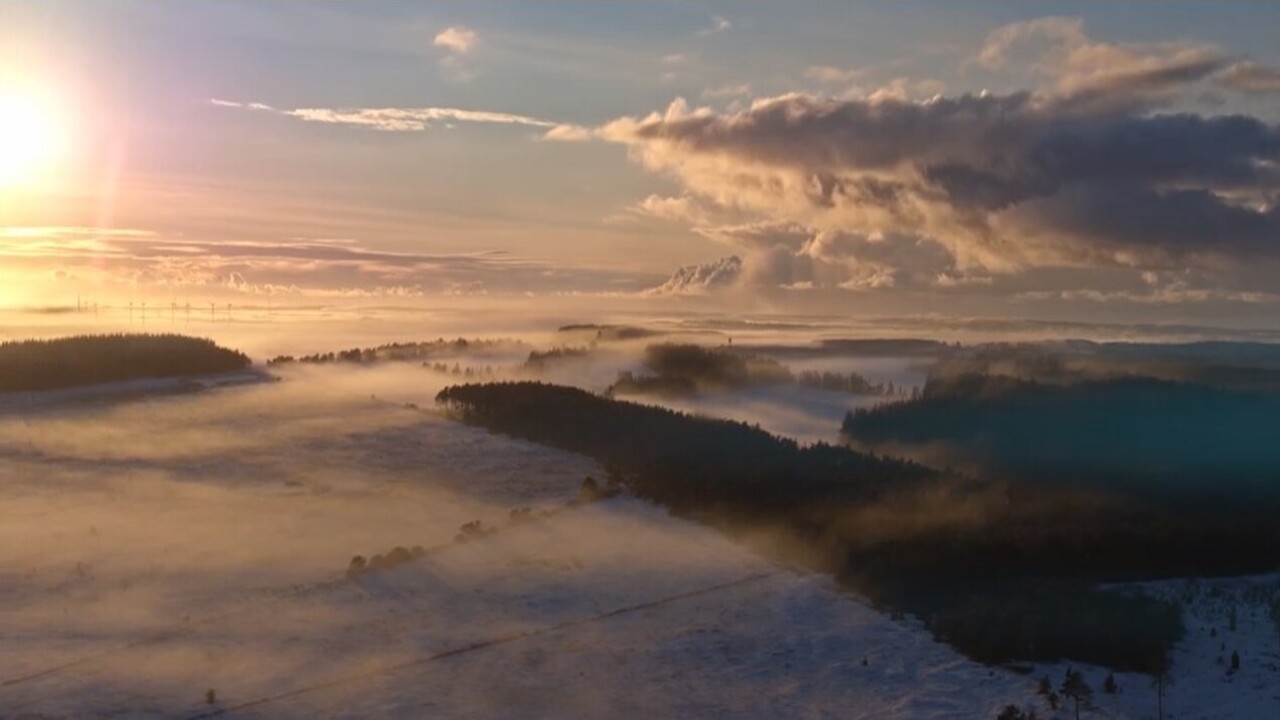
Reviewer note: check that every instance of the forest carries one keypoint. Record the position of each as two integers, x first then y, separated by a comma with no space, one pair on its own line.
30,365
851,347
1171,439
1001,570
407,352
679,370
1229,366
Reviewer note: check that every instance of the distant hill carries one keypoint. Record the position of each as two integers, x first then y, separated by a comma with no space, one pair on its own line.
30,365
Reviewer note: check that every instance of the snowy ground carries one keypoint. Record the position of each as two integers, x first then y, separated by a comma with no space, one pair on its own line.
156,549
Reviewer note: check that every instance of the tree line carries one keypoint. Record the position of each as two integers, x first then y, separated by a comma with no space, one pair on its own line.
30,365
675,370
1001,571
1172,439
406,351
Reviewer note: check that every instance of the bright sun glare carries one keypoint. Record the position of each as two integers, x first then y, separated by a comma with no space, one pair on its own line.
30,137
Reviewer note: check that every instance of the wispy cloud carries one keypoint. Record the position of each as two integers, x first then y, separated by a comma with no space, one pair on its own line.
233,104
410,119
1084,71
1249,76
395,119
138,258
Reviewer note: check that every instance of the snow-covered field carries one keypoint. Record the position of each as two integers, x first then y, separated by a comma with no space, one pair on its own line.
157,549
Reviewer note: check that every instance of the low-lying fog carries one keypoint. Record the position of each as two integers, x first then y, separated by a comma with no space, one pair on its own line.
154,550
263,331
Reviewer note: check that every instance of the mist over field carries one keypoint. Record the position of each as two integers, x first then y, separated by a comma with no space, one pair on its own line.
639,360
161,539
156,547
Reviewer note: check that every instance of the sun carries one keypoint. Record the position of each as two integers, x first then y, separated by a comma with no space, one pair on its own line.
30,137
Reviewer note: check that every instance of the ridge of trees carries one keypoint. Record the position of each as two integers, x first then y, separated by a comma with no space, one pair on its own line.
673,458
1003,572
678,369
610,333
75,361
539,360
407,351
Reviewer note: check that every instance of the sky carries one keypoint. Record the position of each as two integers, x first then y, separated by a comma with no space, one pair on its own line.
1083,161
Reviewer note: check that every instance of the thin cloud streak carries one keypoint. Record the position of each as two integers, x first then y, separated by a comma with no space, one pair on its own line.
395,119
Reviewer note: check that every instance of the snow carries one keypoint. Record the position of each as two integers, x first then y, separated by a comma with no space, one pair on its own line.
156,549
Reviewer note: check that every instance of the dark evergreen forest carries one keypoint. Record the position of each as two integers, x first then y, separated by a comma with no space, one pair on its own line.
1003,570
90,359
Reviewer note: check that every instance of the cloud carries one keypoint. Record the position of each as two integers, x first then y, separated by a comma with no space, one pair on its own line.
1176,293
307,267
790,255
410,119
569,133
1128,76
703,278
458,42
1030,40
397,119
233,104
1002,181
718,24
683,208
1248,76
1090,170
902,88
456,39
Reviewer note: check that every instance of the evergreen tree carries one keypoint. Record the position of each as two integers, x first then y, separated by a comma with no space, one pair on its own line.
1074,687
